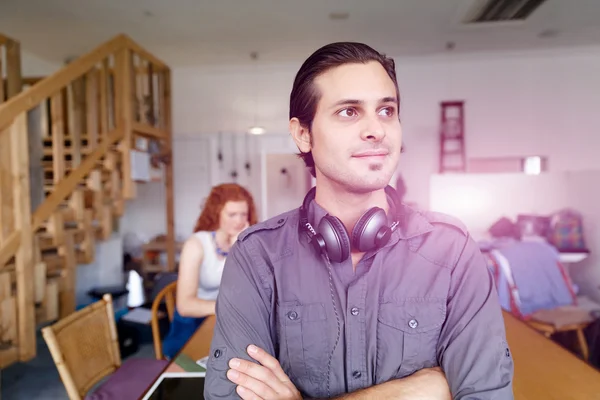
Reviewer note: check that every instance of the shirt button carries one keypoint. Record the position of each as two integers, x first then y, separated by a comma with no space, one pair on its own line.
217,353
354,311
293,315
413,323
280,221
356,374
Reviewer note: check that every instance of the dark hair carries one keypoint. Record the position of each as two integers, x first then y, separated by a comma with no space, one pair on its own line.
305,97
219,195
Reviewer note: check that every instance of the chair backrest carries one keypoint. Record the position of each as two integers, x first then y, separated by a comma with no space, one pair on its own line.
168,293
85,346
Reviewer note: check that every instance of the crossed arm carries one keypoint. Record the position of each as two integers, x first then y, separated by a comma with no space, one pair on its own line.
266,381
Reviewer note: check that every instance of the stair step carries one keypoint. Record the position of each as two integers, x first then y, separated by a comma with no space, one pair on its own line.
49,165
54,263
47,151
46,239
49,188
67,142
9,267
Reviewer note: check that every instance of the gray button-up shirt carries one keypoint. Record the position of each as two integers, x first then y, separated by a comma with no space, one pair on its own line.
425,299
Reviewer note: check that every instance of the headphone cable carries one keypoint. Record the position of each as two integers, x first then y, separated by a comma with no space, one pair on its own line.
337,318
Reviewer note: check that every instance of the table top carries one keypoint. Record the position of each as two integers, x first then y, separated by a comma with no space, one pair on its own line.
543,369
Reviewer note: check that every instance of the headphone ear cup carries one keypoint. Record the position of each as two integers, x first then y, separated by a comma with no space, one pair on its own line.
370,230
336,239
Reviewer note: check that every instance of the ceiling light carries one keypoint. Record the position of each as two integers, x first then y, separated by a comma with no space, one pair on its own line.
256,130
338,16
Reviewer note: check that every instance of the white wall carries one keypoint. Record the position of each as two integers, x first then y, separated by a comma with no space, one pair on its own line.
517,104
32,65
284,191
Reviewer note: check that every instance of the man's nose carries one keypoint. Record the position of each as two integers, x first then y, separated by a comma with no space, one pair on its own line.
373,129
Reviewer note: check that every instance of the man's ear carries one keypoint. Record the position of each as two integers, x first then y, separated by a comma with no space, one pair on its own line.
301,135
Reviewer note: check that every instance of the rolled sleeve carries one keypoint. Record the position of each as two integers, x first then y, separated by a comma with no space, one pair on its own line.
243,312
472,349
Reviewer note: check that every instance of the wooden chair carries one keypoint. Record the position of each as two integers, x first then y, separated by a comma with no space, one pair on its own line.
85,349
548,330
563,319
168,293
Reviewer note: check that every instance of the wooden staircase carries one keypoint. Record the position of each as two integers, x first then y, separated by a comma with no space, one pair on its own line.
65,173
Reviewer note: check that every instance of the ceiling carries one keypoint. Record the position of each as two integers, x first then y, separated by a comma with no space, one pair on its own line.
192,32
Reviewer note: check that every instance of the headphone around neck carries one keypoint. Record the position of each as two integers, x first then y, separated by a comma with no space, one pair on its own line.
370,232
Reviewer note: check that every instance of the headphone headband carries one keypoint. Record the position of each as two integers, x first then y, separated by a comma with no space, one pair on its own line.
371,230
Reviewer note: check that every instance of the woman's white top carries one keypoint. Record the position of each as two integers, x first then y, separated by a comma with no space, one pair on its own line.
211,269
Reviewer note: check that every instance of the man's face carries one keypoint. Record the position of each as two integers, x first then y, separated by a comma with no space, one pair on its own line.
356,133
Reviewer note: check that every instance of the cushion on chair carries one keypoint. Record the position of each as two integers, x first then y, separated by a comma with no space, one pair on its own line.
130,381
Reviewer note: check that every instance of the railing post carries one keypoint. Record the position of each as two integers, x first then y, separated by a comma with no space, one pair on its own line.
24,256
124,113
169,172
14,78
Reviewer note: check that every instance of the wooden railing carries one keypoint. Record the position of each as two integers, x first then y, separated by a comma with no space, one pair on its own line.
65,172
10,60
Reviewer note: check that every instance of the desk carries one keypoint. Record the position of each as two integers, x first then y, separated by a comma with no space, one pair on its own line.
543,369
546,371
199,344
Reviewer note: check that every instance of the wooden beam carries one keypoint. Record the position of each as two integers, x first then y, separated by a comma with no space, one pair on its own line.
88,245
56,227
124,112
158,63
24,255
28,99
160,114
58,136
170,203
32,80
91,107
103,98
149,131
6,193
151,109
2,94
14,84
77,117
67,284
10,247
68,184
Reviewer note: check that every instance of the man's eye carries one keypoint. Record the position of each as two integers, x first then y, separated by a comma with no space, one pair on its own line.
387,112
347,112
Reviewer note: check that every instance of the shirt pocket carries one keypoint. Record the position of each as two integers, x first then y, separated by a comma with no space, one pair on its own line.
305,342
407,335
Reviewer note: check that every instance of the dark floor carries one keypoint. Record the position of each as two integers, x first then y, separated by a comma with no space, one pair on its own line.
38,378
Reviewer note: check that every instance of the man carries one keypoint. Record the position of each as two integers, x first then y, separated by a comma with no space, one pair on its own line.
402,308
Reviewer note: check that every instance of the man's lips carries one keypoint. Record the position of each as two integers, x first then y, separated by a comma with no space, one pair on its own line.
371,153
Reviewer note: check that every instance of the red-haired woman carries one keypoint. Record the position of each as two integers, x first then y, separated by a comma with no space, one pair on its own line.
228,210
